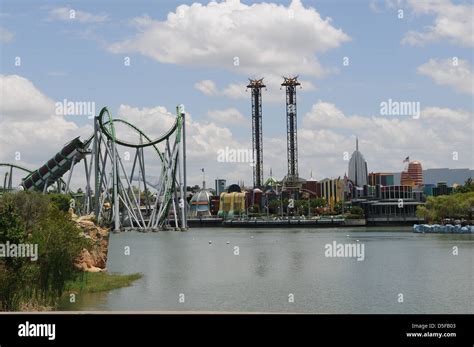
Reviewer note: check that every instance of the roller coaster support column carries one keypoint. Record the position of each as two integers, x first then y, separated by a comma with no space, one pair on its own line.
182,162
88,187
5,187
10,178
116,205
74,159
95,154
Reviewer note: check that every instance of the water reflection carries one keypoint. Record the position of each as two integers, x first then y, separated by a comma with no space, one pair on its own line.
261,263
272,264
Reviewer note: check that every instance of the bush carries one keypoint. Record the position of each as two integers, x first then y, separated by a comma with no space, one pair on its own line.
61,201
30,206
28,217
357,211
59,244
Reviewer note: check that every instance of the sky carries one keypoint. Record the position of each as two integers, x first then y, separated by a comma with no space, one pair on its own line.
143,58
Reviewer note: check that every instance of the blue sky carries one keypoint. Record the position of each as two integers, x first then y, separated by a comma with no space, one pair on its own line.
74,60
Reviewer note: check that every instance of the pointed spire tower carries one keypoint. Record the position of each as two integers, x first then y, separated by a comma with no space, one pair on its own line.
358,167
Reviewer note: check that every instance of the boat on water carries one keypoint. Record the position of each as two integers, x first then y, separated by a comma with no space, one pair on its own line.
443,229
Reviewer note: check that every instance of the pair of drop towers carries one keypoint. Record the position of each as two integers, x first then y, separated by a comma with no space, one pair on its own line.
290,84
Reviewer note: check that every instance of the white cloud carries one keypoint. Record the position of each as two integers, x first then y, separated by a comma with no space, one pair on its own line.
452,22
232,90
385,141
207,87
235,91
374,6
69,14
6,36
21,100
28,124
203,141
262,38
445,72
272,93
446,115
153,120
230,116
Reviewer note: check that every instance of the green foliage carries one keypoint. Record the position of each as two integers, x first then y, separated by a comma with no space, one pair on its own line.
319,202
144,195
457,206
466,188
30,206
301,206
11,226
93,282
61,201
59,244
338,207
357,211
12,231
274,203
28,217
10,290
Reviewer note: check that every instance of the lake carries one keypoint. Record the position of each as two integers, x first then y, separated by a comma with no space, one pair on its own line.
264,270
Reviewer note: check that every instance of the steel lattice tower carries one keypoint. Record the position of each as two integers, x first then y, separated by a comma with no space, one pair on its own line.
291,127
257,142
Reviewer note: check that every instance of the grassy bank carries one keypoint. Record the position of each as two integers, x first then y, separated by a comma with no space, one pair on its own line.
94,282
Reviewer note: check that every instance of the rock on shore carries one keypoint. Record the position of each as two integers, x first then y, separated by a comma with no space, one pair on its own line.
94,260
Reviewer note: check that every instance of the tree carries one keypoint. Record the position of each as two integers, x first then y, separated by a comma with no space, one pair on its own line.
457,206
11,231
59,244
466,188
34,218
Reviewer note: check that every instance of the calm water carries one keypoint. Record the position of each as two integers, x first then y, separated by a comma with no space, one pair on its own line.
274,263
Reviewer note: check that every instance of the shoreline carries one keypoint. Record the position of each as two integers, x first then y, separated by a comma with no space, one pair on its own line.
297,223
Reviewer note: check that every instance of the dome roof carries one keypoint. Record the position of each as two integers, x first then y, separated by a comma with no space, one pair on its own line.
201,196
271,181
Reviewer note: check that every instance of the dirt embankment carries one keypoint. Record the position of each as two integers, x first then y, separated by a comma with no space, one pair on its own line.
94,260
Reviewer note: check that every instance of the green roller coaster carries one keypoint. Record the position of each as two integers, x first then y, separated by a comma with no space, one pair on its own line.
114,199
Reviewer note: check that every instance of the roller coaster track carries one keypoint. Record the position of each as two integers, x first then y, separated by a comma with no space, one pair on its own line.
169,158
17,167
110,133
22,168
106,134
